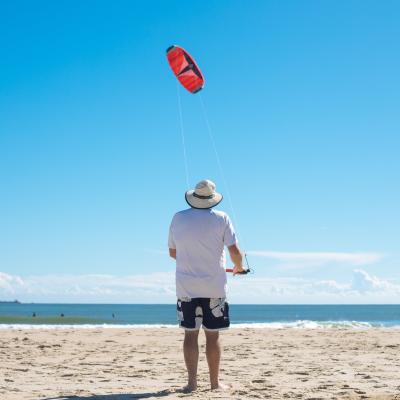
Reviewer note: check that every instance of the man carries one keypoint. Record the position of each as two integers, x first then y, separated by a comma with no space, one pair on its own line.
197,237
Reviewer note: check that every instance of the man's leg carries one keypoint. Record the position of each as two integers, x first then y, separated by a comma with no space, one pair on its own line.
191,354
213,353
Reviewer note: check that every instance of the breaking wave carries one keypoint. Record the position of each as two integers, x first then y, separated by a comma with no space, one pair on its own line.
300,324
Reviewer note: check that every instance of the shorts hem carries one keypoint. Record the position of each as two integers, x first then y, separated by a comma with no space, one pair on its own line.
189,329
216,329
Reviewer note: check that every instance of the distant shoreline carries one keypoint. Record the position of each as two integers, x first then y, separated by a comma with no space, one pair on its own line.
10,301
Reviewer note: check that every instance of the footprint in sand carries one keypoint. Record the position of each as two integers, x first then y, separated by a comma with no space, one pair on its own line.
299,373
325,386
267,373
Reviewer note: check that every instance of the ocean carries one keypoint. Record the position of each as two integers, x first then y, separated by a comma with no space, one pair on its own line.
39,315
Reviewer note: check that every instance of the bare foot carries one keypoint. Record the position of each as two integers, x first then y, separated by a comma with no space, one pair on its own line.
189,389
221,387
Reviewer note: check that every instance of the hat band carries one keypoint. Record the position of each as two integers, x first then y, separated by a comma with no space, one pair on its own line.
203,197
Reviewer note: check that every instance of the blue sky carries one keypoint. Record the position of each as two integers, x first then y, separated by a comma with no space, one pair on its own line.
303,100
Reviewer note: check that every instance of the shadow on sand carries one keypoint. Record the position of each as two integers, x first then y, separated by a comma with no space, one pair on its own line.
161,393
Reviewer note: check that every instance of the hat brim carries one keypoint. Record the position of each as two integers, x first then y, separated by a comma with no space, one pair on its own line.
196,202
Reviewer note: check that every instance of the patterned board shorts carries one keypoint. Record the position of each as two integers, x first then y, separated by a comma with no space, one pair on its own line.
213,314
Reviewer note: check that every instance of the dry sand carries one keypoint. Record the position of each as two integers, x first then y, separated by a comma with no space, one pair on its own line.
124,364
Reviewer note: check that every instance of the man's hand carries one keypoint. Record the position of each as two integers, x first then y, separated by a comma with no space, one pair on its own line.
172,253
238,269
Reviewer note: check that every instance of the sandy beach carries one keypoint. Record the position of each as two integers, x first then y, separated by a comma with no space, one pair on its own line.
141,363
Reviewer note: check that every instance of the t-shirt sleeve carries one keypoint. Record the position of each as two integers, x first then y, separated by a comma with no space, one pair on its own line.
229,234
171,241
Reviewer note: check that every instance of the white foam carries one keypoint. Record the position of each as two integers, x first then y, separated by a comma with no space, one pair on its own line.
300,324
306,324
84,326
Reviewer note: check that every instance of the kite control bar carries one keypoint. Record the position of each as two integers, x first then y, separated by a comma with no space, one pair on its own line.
245,271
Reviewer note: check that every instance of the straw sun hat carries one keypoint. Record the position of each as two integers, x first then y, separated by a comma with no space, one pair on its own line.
204,195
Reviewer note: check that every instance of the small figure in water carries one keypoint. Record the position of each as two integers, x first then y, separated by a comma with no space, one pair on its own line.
113,315
34,314
61,315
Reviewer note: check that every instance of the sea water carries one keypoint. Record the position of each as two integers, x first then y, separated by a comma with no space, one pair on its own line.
39,315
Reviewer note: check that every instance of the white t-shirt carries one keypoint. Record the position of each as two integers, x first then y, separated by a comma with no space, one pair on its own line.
199,237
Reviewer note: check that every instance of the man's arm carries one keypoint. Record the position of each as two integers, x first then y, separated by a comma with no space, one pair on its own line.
236,257
172,253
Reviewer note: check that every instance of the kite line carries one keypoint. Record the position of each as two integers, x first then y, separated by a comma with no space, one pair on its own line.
190,77
221,170
183,136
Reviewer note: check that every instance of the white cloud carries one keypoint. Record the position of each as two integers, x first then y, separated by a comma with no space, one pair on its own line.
144,288
319,258
9,283
329,286
160,288
363,283
363,287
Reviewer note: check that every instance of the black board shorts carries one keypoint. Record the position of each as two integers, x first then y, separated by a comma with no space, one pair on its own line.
212,313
